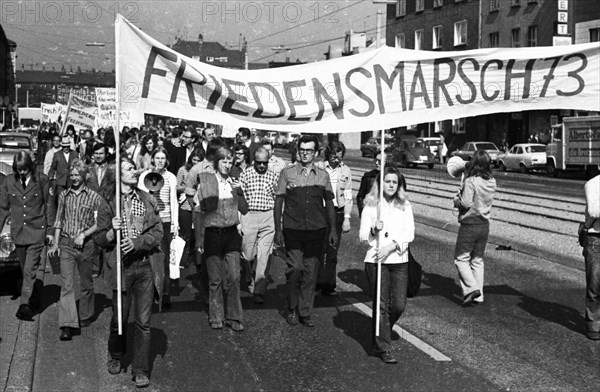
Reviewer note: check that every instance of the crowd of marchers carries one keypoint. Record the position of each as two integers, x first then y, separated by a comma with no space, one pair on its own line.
233,202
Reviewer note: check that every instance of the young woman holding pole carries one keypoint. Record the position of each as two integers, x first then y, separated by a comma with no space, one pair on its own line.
395,228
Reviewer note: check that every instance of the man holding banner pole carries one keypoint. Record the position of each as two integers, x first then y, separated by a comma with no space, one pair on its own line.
140,230
307,217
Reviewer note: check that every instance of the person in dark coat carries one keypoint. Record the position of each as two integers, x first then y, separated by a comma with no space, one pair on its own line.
25,197
366,182
61,163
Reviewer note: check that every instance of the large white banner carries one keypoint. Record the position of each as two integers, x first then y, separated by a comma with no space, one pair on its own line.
383,88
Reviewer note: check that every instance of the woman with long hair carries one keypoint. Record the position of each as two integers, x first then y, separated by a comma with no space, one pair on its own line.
390,249
185,208
474,203
147,146
168,210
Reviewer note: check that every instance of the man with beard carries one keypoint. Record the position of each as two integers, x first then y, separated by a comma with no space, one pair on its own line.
142,269
73,230
258,184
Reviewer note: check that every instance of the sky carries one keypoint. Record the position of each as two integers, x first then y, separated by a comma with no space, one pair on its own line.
51,33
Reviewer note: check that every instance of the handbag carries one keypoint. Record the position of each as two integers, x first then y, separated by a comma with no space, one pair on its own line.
176,251
415,274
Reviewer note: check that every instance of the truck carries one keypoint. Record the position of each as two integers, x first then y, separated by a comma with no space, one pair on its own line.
30,118
575,145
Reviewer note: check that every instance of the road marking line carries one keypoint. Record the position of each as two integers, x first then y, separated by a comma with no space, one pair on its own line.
410,338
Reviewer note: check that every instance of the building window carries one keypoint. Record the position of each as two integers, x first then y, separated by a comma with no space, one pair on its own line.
437,37
419,5
494,40
532,36
400,40
515,38
494,5
460,33
438,3
418,39
595,35
515,3
401,8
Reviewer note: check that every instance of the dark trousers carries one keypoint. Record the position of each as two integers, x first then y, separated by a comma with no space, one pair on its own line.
591,252
394,281
327,277
187,233
222,255
83,259
165,246
303,249
33,275
139,293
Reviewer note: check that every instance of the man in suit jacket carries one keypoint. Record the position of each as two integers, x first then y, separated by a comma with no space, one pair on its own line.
101,178
25,198
61,163
175,150
244,137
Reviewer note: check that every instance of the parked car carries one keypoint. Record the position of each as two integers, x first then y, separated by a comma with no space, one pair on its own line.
8,252
468,149
413,152
282,140
272,136
433,143
372,147
524,157
13,142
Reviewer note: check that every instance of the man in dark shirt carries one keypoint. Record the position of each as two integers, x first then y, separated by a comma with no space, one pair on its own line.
303,187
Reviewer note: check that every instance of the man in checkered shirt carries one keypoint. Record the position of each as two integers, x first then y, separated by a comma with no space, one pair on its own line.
258,225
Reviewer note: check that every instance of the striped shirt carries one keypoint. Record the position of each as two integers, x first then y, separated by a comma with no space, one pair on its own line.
76,212
259,189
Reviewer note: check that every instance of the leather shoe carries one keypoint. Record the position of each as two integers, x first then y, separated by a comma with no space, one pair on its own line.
387,357
259,299
66,334
593,335
329,292
166,301
114,366
216,324
24,313
235,325
141,381
307,322
471,296
85,323
292,318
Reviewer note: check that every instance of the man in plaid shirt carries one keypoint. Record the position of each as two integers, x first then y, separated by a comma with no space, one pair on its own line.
258,225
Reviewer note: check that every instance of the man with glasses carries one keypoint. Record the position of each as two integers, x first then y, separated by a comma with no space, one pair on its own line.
366,183
307,217
258,226
341,183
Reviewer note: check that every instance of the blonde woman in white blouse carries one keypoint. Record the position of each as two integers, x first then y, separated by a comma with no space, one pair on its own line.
168,209
397,227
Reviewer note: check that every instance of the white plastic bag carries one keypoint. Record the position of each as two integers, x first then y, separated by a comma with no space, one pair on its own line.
177,245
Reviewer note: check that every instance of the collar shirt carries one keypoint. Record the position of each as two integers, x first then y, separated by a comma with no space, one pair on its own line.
100,171
398,225
226,214
67,155
306,189
76,211
341,182
133,212
276,165
259,189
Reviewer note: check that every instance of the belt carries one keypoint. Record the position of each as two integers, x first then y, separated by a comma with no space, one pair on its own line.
222,230
270,209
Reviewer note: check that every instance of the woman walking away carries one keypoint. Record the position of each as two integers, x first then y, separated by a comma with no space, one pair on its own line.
474,203
397,226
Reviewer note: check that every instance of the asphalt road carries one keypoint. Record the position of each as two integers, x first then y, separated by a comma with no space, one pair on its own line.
527,336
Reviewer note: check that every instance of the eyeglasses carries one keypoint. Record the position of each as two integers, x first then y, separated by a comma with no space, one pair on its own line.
261,163
186,136
306,151
239,153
